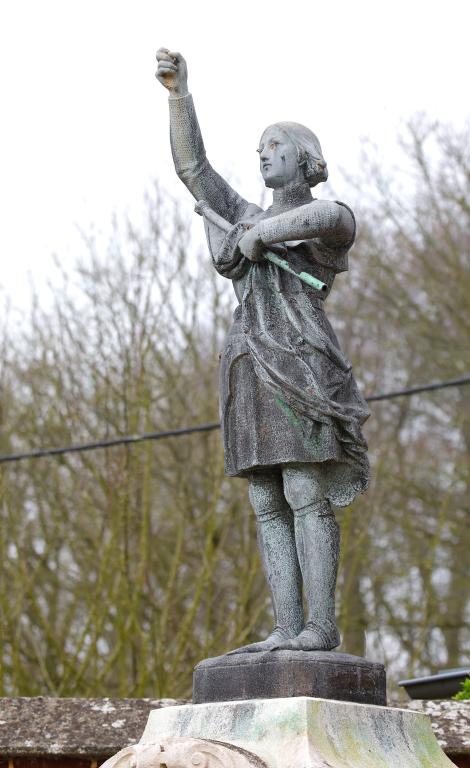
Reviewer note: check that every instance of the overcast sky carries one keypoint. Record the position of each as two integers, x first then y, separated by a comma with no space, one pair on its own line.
84,126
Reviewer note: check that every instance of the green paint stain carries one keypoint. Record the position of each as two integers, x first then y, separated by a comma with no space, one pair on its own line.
314,442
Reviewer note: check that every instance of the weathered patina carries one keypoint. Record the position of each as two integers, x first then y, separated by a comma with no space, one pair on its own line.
290,408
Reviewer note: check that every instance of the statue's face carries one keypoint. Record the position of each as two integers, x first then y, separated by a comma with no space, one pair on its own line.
278,159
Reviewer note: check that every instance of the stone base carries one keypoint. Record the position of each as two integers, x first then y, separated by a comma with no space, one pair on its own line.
285,733
281,674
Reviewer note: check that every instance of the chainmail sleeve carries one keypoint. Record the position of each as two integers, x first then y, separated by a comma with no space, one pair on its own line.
331,222
192,165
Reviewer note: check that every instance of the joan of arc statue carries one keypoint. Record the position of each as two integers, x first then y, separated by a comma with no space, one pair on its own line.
290,408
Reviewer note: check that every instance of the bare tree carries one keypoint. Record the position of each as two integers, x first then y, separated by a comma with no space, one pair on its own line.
123,567
410,323
119,564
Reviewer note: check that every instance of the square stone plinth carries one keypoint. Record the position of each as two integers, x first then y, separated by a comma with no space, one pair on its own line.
301,732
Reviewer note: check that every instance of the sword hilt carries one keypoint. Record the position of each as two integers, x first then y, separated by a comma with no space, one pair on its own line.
204,209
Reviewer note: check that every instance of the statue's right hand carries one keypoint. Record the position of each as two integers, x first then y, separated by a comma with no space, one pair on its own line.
172,71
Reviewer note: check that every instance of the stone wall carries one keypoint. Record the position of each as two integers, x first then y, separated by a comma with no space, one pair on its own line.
44,732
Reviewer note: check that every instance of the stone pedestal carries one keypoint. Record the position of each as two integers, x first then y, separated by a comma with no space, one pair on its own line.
296,732
280,674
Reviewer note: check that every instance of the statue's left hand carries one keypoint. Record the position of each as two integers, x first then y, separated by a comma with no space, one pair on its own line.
251,245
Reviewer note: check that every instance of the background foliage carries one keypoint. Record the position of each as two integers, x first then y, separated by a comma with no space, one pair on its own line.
121,568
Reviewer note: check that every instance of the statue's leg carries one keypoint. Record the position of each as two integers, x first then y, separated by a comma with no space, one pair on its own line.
276,541
317,539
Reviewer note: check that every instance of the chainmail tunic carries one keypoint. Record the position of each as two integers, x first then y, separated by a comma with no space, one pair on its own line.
287,392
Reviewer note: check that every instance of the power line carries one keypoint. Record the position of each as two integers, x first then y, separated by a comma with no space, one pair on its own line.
125,440
420,388
130,439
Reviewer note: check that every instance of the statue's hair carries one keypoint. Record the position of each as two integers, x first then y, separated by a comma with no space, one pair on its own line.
308,150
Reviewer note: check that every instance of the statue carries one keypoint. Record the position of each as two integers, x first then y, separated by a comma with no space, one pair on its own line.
290,408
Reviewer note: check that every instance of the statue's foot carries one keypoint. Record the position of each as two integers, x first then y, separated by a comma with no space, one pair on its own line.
277,636
313,637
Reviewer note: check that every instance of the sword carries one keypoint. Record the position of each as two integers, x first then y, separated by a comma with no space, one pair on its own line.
204,209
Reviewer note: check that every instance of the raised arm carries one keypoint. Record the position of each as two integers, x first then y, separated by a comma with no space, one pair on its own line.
189,155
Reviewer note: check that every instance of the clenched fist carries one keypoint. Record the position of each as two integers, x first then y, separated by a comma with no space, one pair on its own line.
251,245
172,72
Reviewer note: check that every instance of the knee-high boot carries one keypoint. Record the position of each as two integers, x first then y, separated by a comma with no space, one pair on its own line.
276,541
317,538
